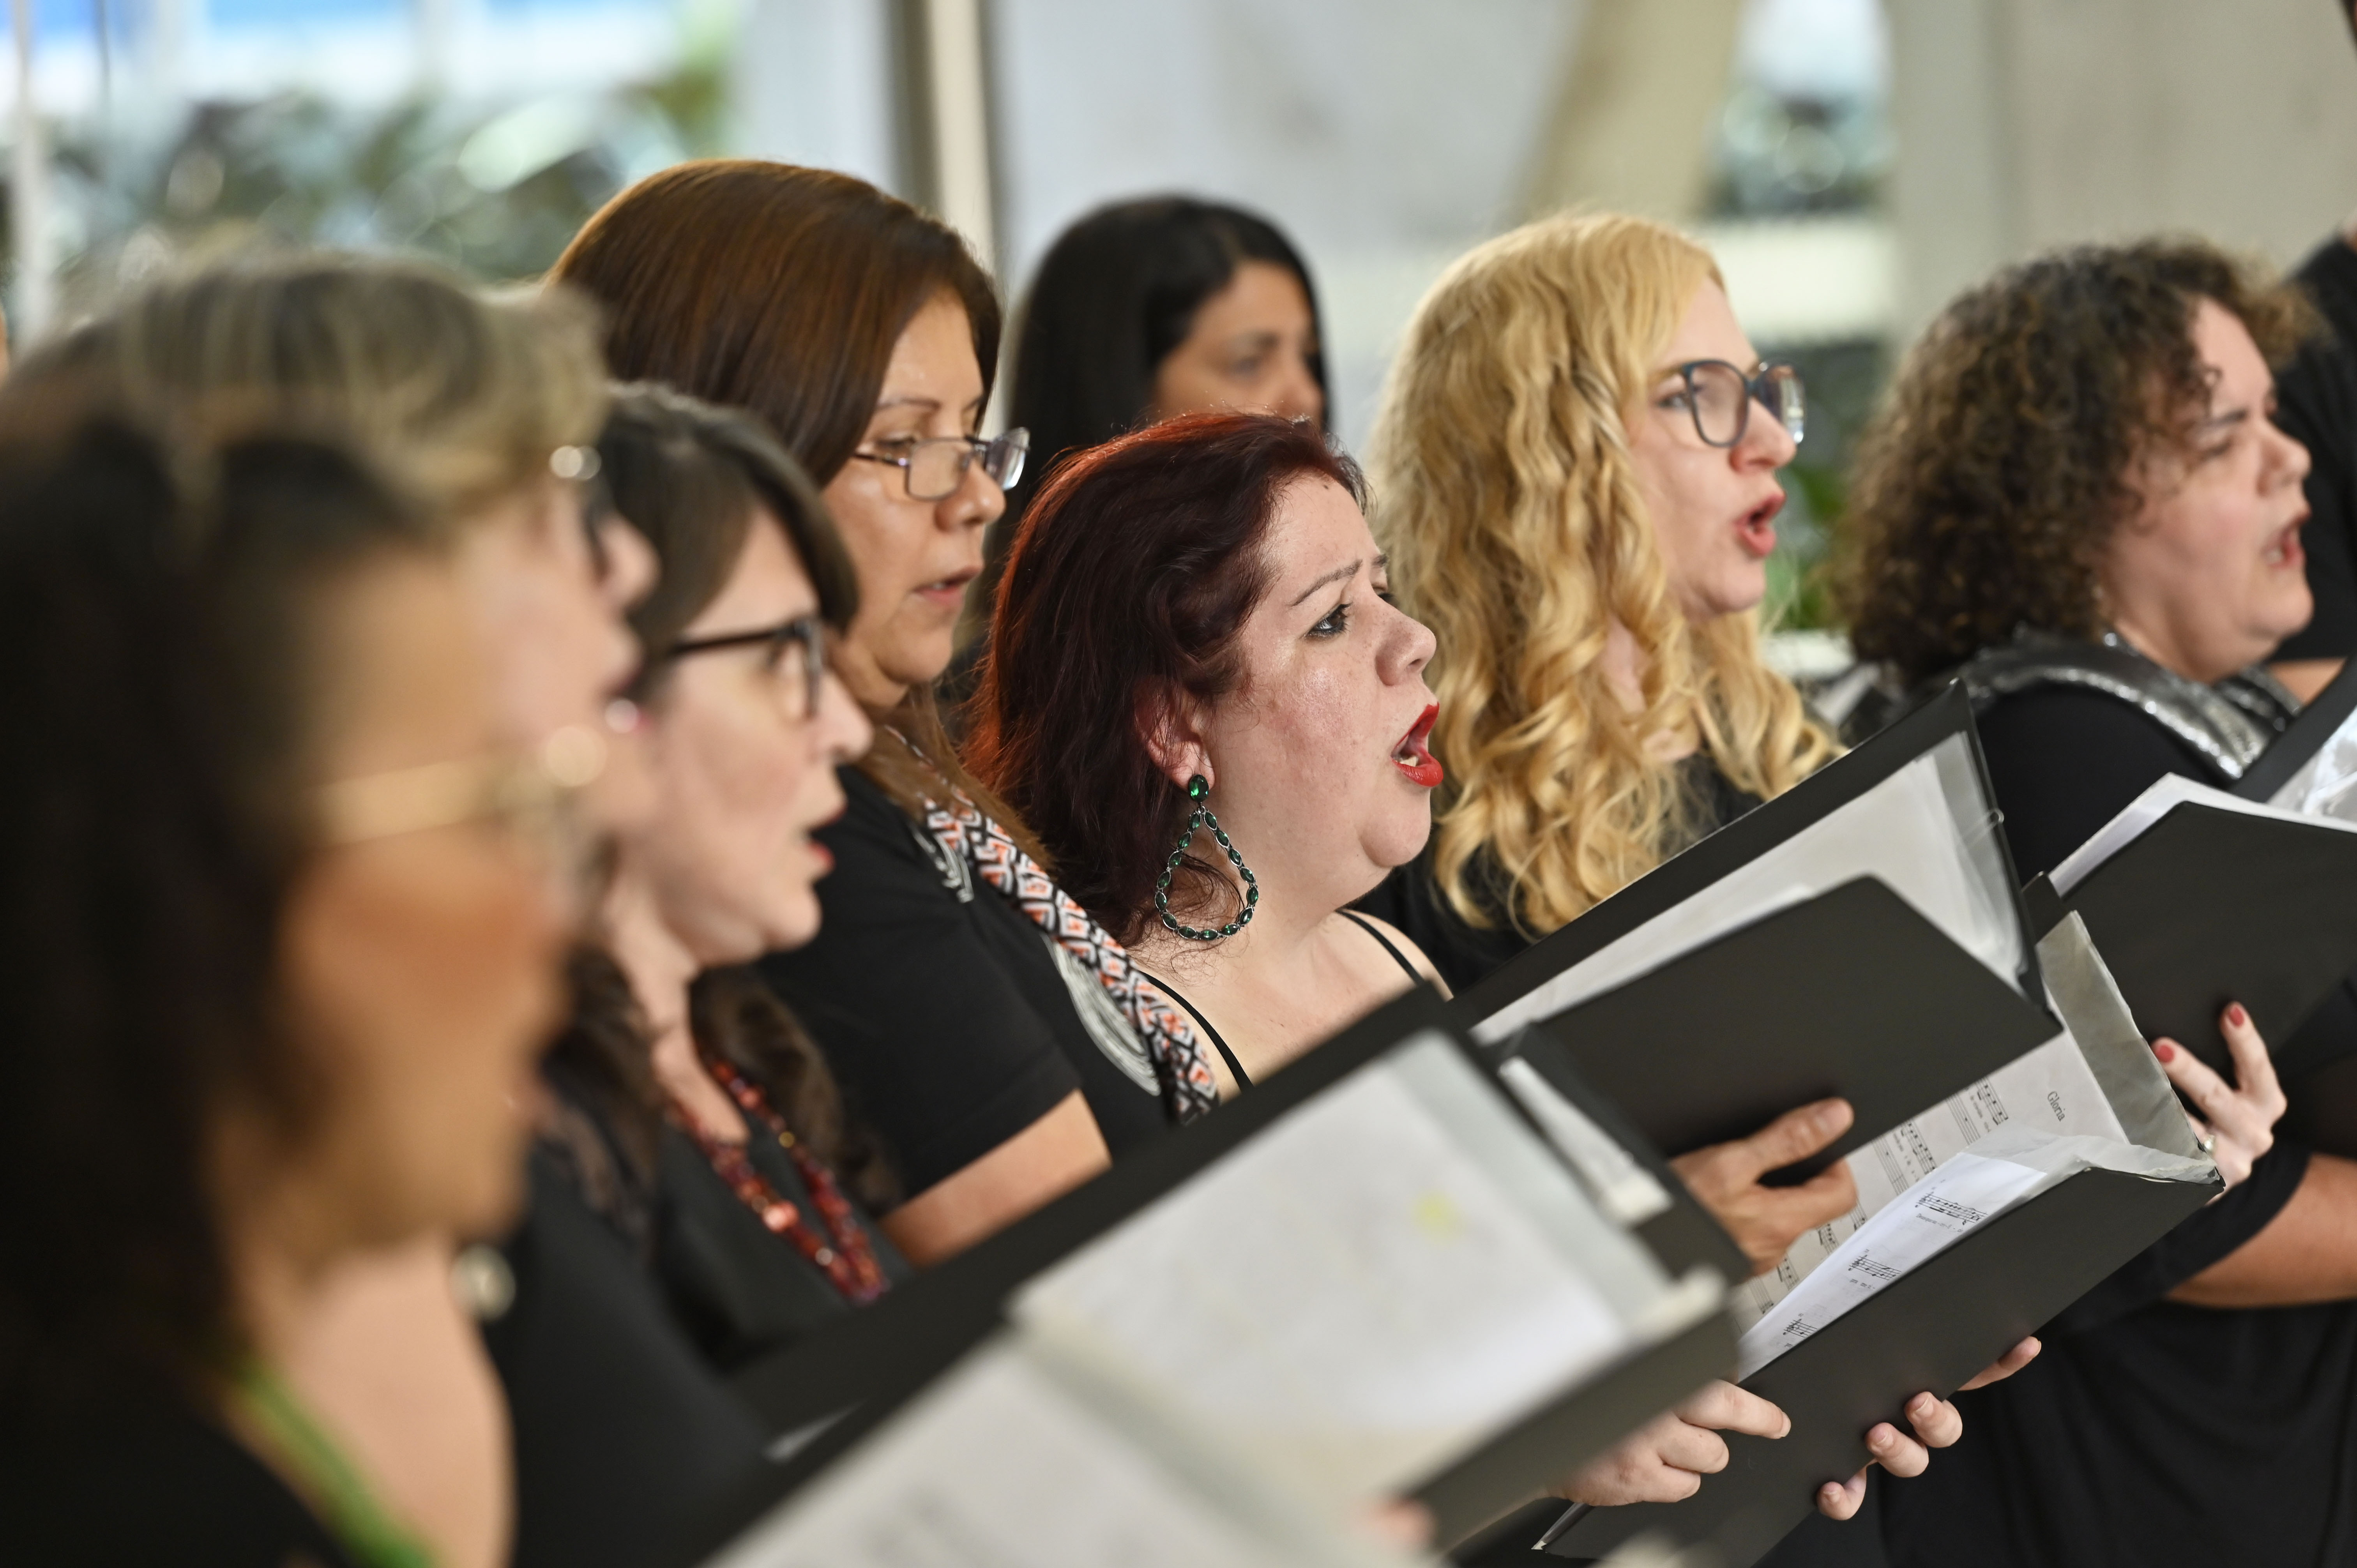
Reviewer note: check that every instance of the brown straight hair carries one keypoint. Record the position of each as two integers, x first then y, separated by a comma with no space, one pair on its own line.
782,291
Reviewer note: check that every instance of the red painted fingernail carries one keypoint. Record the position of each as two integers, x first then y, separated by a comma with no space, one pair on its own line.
2236,1016
2164,1051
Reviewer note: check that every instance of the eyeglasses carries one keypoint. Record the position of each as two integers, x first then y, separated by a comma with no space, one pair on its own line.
584,470
1719,397
803,637
536,796
934,466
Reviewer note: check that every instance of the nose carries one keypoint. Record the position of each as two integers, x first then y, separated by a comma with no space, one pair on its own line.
842,729
976,502
1408,651
1299,396
1766,443
631,566
2293,458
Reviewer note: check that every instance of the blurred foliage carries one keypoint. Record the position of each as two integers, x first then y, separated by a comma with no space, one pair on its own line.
496,190
1843,381
1779,157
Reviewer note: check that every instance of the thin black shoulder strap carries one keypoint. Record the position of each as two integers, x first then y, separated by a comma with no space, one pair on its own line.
1243,1079
1381,940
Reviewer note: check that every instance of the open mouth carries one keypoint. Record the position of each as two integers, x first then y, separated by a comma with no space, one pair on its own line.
1413,756
949,589
2282,548
1757,528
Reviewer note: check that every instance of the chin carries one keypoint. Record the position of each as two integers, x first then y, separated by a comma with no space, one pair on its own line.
1398,842
795,927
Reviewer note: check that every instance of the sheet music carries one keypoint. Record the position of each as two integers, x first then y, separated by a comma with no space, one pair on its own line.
2169,790
1393,1272
1002,1462
1965,1192
2050,1089
2326,784
1904,831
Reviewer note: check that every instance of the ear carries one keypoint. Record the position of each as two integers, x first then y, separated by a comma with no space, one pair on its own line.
1168,725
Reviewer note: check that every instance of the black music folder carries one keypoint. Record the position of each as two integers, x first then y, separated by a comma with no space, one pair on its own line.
2209,905
1911,807
1851,993
1941,1321
1054,1273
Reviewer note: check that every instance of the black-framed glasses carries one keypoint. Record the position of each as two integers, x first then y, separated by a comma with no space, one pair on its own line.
1720,396
802,637
934,466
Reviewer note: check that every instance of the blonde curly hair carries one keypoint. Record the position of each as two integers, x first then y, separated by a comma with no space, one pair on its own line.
1505,495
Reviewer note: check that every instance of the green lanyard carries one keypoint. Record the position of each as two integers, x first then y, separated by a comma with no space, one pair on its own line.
351,1512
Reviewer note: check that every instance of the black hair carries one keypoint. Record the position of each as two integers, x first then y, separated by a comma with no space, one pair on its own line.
1115,293
158,646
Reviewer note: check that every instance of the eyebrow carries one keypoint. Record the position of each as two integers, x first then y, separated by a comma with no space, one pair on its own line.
1340,574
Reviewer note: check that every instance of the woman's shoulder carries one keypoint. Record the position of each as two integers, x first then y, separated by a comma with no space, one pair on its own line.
2064,760
203,1498
1403,952
1411,901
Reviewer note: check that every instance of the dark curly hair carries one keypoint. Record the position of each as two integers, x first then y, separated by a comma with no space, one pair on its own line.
1136,568
2005,452
159,653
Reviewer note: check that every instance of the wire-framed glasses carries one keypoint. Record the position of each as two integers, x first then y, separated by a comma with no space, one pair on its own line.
534,796
793,651
1719,396
934,466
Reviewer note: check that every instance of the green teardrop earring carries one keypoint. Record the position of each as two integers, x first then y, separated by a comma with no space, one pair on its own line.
1199,789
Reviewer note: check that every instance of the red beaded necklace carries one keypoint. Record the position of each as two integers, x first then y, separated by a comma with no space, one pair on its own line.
843,1254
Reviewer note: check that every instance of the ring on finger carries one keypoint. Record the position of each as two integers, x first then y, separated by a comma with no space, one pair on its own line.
2207,1142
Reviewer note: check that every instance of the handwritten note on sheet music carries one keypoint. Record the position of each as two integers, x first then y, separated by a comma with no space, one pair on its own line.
1352,1295
999,1464
2050,1088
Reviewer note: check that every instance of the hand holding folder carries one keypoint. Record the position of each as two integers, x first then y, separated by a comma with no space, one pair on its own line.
1375,1275
2198,898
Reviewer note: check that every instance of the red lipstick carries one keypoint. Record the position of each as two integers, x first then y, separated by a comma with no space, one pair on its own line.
1413,758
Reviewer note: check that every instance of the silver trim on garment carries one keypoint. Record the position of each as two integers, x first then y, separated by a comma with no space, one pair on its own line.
2228,724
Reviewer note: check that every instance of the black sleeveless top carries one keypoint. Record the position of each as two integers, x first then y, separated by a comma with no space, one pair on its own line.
1243,1079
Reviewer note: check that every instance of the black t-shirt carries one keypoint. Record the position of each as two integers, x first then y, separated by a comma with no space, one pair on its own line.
2318,397
2147,1432
136,1481
950,1019
1411,900
627,1444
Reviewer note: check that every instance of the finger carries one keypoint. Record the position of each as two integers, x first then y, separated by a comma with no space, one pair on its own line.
1895,1452
2254,1066
1694,1448
1794,1135
1723,1407
1399,1522
1832,1192
2005,1366
1841,1499
1936,1421
2194,1078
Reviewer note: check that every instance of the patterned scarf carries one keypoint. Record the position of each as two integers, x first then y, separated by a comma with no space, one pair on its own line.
1188,1088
